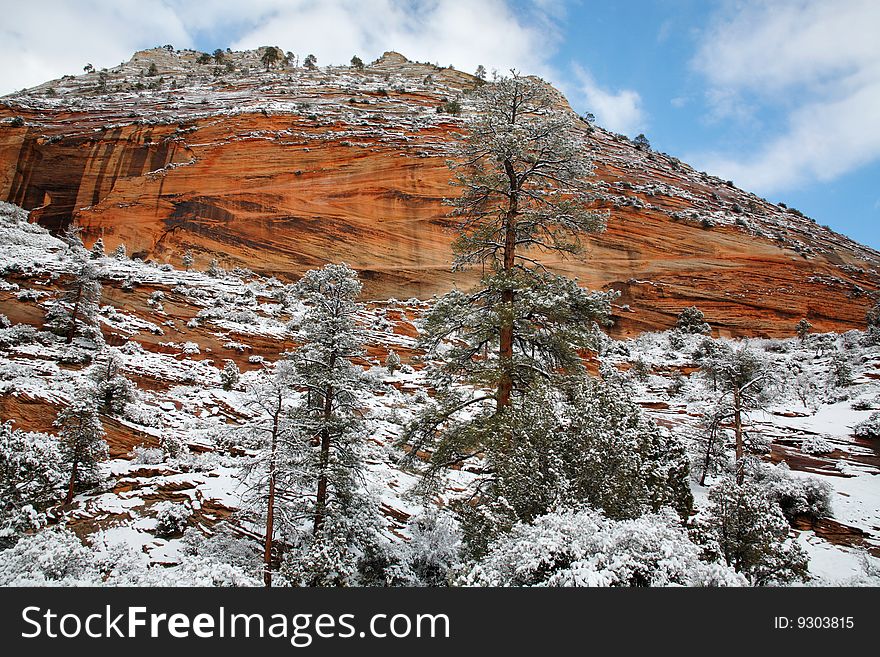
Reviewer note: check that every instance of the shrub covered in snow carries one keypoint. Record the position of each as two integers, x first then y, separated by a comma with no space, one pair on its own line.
869,428
53,557
582,547
190,348
692,320
816,445
795,495
171,518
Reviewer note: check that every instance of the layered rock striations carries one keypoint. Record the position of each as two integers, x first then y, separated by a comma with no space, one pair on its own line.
284,170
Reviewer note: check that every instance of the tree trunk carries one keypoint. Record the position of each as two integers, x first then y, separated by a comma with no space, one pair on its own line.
737,427
73,313
70,488
505,337
324,460
270,512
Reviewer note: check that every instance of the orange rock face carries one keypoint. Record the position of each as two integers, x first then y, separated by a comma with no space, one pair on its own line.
285,170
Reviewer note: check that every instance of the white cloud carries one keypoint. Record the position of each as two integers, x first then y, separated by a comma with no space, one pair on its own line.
816,62
458,32
42,41
45,40
620,111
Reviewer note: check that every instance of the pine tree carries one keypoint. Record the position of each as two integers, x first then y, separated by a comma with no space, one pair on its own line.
271,56
331,425
81,436
802,329
188,260
522,172
357,63
229,375
742,376
113,391
310,62
692,320
120,253
392,361
98,249
77,308
747,529
480,73
270,479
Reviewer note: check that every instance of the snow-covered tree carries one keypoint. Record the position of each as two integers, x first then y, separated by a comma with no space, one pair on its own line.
112,389
270,475
582,547
76,310
742,377
82,438
802,329
523,172
98,249
584,444
120,252
229,375
392,361
746,528
30,477
330,426
692,320
188,260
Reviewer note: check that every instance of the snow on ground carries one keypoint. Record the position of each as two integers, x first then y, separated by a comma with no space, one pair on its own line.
185,401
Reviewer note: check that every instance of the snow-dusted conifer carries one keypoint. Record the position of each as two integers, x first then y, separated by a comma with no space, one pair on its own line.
273,433
30,476
113,390
745,527
230,375
692,320
742,376
188,260
523,174
82,438
331,428
98,249
392,361
802,329
76,310
120,253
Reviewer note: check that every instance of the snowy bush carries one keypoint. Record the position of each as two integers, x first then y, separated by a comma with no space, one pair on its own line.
869,428
816,445
30,479
147,455
171,518
190,348
17,335
584,548
692,320
796,496
54,557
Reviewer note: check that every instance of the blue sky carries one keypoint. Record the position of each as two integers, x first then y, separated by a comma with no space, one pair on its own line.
782,97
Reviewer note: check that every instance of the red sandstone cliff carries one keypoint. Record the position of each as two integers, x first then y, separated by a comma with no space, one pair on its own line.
285,170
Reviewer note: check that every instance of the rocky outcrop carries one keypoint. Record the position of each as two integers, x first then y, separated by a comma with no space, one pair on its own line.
287,169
